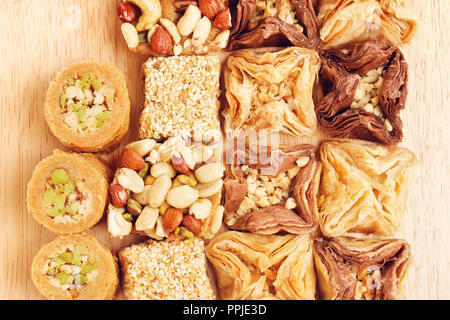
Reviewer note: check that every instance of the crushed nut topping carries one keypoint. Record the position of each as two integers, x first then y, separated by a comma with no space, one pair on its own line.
368,281
282,9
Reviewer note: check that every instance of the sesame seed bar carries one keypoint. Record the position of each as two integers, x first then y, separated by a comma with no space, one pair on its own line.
162,270
181,98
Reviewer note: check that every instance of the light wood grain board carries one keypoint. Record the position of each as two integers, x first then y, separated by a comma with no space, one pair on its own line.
39,37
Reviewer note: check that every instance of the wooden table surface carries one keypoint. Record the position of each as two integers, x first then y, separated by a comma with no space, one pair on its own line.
39,37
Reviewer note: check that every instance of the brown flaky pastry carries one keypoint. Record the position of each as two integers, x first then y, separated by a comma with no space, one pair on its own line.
271,91
351,21
365,88
251,266
276,193
363,187
263,23
360,269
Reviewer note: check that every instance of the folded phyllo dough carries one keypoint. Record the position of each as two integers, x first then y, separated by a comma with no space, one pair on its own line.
365,90
262,23
351,21
166,191
276,193
252,266
174,270
75,267
363,187
68,192
87,106
271,91
360,269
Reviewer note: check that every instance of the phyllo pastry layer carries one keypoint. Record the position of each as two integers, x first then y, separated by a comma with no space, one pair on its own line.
363,187
252,266
360,269
276,193
351,21
75,267
68,192
365,90
265,23
271,91
87,106
166,271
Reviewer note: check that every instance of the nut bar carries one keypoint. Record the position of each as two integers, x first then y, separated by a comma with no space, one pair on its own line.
181,98
267,23
360,269
351,21
363,187
255,267
271,91
166,191
175,27
166,271
365,90
276,193
68,192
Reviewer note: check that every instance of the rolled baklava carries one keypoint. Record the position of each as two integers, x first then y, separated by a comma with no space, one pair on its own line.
271,190
360,269
363,188
167,190
75,267
267,23
68,192
87,106
365,88
271,91
351,21
253,267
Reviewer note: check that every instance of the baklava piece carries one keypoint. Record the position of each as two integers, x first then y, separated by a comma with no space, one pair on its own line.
182,98
276,193
175,27
87,106
363,187
166,271
271,91
265,23
351,21
166,191
365,88
68,192
75,267
252,266
360,269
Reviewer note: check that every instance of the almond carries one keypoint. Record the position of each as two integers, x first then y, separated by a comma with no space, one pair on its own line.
192,224
209,8
172,219
131,159
162,42
180,165
119,195
223,20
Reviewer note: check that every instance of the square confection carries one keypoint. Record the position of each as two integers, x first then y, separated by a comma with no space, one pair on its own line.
181,98
163,270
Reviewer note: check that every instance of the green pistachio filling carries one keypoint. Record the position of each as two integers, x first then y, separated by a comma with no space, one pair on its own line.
71,268
61,195
84,102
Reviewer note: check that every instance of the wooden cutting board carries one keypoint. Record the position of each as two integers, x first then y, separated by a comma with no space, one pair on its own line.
38,38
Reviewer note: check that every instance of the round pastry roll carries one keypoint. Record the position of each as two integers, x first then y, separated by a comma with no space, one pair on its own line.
68,192
87,106
75,267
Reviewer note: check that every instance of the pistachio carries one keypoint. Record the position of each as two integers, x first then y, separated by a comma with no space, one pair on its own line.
149,180
144,171
49,196
134,207
188,180
163,208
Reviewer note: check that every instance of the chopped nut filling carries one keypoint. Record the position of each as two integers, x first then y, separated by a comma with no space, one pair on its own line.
368,281
367,95
71,269
64,197
86,103
281,9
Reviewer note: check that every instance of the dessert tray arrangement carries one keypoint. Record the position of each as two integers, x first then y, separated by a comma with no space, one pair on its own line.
226,210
